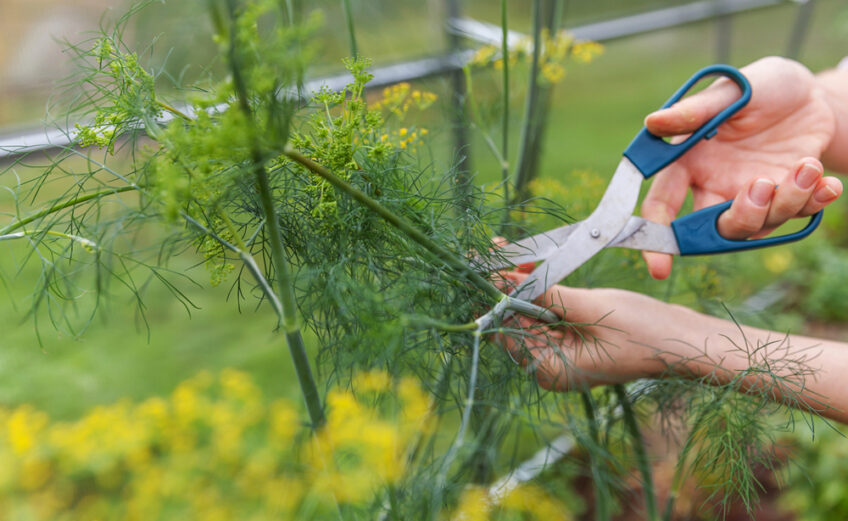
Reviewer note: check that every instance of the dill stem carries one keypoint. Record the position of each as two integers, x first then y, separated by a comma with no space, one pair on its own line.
285,289
522,163
437,251
602,499
282,269
290,12
639,448
348,14
444,326
173,110
478,121
505,115
677,480
61,206
459,440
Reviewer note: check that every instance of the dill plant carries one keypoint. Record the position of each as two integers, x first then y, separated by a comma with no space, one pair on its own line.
321,207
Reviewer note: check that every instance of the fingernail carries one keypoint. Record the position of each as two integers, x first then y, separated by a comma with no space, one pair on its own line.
760,192
807,175
825,195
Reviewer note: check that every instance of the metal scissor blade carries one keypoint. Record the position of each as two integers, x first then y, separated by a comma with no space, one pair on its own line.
642,234
529,249
590,236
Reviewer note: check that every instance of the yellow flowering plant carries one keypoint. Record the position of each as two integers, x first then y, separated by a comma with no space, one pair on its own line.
320,206
216,448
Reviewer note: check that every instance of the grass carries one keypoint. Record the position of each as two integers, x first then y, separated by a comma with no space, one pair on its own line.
115,358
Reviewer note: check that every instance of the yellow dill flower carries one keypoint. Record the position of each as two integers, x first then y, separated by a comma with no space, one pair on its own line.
532,499
372,381
483,55
553,72
778,261
585,52
283,421
345,410
24,426
474,505
427,99
556,48
416,405
282,495
34,473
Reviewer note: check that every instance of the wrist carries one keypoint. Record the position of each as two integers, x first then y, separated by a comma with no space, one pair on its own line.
695,346
644,335
834,87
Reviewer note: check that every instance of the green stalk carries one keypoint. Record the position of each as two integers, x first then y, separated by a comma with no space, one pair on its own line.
639,448
436,250
538,99
522,171
505,115
61,206
677,480
478,121
461,142
290,12
173,110
285,284
442,326
348,14
602,498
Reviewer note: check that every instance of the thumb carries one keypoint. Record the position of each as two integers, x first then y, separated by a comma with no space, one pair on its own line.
688,114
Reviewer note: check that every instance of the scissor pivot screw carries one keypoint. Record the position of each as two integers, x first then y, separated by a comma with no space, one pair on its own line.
595,233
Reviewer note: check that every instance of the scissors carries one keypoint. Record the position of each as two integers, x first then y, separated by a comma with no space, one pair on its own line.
613,224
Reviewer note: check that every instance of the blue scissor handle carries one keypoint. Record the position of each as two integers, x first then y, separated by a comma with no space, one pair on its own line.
650,154
697,233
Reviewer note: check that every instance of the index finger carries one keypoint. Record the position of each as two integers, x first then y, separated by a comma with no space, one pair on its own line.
690,113
661,204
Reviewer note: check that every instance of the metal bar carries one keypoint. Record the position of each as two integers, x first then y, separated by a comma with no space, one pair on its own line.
461,138
14,144
723,31
631,25
799,28
662,19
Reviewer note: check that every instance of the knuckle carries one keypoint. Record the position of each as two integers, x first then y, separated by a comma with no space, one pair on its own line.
741,223
743,226
785,208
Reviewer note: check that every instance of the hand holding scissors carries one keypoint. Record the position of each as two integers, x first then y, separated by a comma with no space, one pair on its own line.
613,224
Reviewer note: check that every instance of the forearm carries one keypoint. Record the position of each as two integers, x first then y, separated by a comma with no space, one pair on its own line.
834,83
799,371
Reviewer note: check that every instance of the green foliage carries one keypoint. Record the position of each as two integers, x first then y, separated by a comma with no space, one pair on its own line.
372,296
816,478
126,94
217,176
823,273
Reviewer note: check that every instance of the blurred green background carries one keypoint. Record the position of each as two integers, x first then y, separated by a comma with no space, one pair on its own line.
596,110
